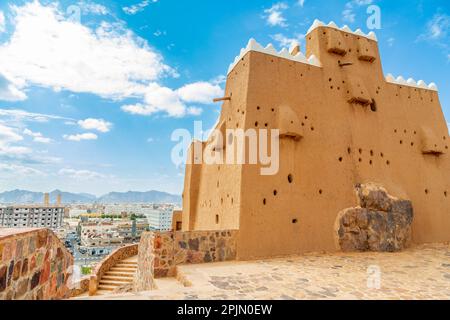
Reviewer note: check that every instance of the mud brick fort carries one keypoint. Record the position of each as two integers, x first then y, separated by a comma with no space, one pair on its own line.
342,123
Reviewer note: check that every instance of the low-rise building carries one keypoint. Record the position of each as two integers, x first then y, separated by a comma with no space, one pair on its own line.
131,230
100,234
33,216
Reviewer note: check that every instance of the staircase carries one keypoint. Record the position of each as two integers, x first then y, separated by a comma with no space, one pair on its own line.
122,273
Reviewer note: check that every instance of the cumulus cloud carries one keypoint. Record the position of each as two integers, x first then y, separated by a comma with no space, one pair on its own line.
140,6
109,61
274,15
301,3
201,92
9,91
80,137
95,124
37,136
173,102
80,174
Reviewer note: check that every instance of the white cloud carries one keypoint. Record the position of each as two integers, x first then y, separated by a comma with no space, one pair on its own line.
22,115
88,7
80,137
21,170
50,51
8,134
348,13
437,27
9,91
13,151
438,33
95,124
80,174
2,22
173,102
301,3
158,99
37,136
138,7
285,41
8,137
201,92
274,15
195,111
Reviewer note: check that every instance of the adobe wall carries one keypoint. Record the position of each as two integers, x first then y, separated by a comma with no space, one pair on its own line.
177,218
344,124
212,193
342,144
34,265
161,252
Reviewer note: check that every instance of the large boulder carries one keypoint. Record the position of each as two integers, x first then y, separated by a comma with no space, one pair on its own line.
381,222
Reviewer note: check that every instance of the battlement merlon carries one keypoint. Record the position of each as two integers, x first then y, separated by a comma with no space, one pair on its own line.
331,47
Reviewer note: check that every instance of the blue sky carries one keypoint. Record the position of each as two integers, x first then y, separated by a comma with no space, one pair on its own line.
90,91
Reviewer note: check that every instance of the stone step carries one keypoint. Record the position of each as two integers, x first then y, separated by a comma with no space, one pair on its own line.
123,265
112,283
134,263
131,271
120,274
106,288
118,278
102,292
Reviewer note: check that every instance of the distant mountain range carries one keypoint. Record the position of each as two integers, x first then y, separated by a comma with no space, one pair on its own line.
24,197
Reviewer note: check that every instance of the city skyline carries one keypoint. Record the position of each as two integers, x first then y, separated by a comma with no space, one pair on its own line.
90,91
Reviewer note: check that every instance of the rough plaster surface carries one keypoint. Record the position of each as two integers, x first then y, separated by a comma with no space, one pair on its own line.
349,125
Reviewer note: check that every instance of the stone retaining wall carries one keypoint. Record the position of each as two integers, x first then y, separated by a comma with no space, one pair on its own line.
34,265
111,260
81,286
161,252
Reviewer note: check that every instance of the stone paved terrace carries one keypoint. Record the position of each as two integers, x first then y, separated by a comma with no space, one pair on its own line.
419,273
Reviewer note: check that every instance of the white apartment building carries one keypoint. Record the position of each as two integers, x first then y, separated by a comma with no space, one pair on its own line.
160,220
33,216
